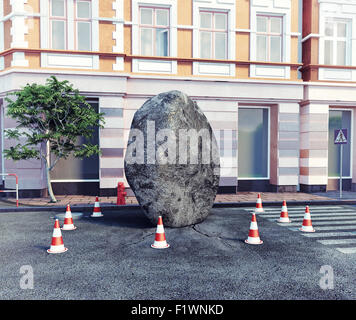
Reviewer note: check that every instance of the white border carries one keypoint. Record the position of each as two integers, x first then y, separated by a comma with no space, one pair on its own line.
334,10
268,139
230,8
286,41
350,138
173,34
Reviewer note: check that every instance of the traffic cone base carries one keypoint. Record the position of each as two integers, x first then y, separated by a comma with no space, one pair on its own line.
160,237
253,241
57,250
68,227
307,229
160,246
96,215
284,220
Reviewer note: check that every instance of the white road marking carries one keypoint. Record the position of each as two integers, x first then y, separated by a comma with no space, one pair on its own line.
337,241
329,234
318,223
347,250
353,213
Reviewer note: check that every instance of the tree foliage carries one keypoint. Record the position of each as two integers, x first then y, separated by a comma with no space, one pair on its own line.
53,115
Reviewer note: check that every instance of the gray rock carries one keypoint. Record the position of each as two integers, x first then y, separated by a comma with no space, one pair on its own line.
166,180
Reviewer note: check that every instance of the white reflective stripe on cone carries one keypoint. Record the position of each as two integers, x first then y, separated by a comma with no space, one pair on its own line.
253,226
160,229
57,233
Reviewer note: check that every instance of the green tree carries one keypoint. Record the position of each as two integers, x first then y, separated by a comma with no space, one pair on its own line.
50,119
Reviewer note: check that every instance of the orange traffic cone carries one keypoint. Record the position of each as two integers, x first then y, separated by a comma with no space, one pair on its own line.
259,204
97,211
68,220
307,223
57,245
284,213
160,238
253,235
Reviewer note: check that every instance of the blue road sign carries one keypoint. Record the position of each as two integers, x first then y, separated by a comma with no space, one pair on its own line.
340,136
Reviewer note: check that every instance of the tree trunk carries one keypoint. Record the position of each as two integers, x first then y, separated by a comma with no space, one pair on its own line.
49,185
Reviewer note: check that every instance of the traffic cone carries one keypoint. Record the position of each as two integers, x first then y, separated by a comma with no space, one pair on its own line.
57,245
307,223
160,238
284,213
68,220
253,235
259,204
97,211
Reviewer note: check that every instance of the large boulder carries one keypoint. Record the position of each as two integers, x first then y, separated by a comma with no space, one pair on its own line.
172,160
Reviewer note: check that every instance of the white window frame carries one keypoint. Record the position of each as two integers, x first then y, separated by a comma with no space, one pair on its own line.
64,60
58,18
154,26
268,34
266,71
154,65
213,32
86,20
344,11
350,138
268,143
212,68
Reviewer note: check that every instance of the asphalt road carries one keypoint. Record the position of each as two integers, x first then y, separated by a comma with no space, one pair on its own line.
111,258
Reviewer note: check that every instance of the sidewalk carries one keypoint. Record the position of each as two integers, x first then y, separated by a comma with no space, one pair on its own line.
241,199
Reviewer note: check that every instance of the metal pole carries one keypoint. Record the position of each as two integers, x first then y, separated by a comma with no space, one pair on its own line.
340,170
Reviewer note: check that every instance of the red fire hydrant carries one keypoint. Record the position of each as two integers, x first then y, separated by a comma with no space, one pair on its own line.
121,193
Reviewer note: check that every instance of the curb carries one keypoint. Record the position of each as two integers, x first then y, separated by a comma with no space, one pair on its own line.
89,208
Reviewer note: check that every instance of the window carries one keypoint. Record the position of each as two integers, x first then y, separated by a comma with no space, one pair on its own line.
253,143
269,38
83,25
58,24
337,42
213,35
154,31
339,119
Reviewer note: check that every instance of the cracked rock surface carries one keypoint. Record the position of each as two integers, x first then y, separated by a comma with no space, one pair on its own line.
181,192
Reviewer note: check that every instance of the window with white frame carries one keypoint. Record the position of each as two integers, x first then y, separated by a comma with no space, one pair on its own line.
83,25
337,42
269,38
58,24
213,35
154,31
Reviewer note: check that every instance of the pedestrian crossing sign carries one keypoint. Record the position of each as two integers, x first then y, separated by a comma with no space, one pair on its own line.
340,136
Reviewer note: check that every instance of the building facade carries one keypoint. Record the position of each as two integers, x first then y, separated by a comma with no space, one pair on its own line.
273,77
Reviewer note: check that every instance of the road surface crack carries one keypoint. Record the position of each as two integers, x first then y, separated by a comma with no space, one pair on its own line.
223,240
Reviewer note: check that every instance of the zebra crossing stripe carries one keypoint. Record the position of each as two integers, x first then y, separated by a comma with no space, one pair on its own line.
332,221
303,208
331,228
325,214
329,234
337,241
347,250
